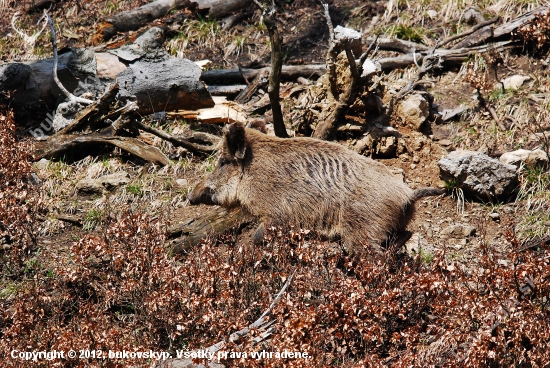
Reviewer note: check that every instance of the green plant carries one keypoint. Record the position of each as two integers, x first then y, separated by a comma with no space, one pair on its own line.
135,189
425,257
408,33
93,219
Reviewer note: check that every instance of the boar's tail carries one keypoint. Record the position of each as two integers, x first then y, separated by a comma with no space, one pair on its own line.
426,192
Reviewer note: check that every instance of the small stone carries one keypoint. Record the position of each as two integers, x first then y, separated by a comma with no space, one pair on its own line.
494,216
183,183
445,142
522,156
458,231
416,159
114,180
414,110
42,164
432,13
89,186
503,262
413,166
515,81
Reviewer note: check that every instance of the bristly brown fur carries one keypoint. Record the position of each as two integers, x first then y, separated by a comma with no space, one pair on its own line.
310,183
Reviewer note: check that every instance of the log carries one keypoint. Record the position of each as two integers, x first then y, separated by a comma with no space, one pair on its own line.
57,145
220,8
159,82
396,44
136,18
509,27
234,76
231,90
217,221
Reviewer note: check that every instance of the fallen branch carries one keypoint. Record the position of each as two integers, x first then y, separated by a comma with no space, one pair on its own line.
57,145
288,72
217,221
326,128
134,19
176,141
30,41
276,66
68,94
469,32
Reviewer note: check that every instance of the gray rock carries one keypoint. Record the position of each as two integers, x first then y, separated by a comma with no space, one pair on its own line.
530,158
495,216
414,110
42,164
106,182
64,114
34,179
114,180
89,186
479,174
458,231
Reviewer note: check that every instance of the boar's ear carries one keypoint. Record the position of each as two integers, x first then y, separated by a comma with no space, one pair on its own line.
235,140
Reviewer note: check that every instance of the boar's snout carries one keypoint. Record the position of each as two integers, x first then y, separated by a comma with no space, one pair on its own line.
200,195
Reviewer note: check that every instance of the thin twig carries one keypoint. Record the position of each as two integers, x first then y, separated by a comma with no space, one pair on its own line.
177,141
329,22
68,94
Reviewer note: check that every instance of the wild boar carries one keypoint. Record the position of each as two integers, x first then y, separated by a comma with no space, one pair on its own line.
314,184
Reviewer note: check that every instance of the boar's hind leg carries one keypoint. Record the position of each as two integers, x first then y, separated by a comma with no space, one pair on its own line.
259,235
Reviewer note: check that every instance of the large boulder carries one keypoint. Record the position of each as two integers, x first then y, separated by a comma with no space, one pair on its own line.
479,175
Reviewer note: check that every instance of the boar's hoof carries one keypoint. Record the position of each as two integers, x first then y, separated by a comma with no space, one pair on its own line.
259,235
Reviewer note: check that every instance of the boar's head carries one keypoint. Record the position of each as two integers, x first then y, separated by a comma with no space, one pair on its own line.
220,187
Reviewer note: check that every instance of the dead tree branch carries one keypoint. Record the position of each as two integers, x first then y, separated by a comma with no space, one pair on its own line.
429,62
69,95
326,128
276,66
469,32
30,41
176,141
